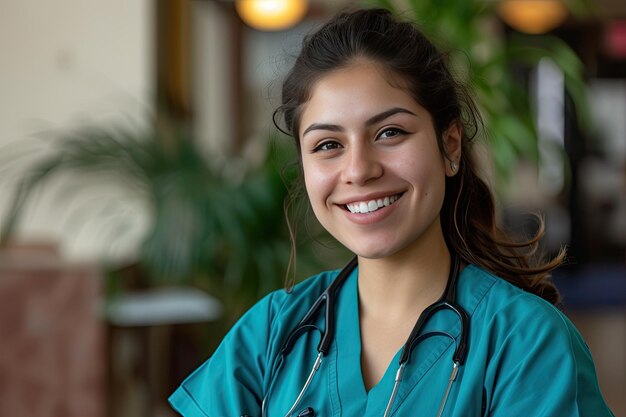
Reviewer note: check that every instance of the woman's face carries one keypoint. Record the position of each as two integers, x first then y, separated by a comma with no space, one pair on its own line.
372,167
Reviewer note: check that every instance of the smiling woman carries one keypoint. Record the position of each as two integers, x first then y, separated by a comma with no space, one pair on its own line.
440,311
366,139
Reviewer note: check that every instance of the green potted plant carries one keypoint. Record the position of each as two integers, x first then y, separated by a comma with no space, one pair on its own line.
222,232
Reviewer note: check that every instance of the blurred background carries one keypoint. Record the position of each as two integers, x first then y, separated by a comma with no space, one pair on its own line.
143,181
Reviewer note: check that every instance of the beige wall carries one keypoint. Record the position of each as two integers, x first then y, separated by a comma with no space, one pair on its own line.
604,331
64,62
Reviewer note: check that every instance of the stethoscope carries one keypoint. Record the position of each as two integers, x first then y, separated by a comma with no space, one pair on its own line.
328,301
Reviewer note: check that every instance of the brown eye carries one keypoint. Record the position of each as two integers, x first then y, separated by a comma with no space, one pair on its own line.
326,146
390,133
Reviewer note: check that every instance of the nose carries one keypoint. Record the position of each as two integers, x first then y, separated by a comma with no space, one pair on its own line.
361,165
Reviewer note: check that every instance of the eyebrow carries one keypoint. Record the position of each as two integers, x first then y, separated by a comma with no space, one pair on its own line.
369,122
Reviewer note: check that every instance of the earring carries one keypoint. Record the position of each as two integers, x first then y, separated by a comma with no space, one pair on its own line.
454,166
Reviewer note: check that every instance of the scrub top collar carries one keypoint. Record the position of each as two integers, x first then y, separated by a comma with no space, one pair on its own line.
352,396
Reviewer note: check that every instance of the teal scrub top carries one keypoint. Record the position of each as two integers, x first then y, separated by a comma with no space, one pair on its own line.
525,359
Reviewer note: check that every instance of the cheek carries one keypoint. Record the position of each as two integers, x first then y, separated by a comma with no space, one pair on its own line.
425,171
316,184
419,167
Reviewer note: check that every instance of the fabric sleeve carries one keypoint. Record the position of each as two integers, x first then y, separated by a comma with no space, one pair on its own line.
230,383
541,367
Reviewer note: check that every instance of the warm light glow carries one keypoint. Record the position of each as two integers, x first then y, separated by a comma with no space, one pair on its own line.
271,14
533,16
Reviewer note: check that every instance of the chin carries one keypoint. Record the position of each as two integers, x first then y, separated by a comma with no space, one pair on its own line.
377,251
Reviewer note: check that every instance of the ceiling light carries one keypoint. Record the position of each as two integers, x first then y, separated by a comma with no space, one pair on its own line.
533,16
271,15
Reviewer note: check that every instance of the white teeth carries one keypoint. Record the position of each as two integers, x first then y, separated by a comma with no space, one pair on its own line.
372,205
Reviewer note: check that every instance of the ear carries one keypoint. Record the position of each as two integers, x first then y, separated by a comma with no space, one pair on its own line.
452,144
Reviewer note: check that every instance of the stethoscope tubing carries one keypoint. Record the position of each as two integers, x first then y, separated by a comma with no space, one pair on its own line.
304,389
327,299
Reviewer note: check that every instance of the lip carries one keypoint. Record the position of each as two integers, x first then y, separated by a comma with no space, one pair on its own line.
375,216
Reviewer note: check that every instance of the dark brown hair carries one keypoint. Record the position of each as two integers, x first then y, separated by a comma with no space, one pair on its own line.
468,213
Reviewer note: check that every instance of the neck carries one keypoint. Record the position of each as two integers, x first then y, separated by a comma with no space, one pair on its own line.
399,287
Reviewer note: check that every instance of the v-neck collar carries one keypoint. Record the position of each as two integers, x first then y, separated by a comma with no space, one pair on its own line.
353,398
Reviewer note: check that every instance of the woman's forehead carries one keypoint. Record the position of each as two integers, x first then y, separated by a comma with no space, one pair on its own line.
363,87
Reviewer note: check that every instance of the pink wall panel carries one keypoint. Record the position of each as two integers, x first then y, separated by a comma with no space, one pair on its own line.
52,341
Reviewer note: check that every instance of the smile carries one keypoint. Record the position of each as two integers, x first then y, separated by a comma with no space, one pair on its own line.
372,205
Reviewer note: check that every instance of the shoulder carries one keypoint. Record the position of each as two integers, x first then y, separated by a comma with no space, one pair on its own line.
505,303
507,315
520,337
518,326
236,376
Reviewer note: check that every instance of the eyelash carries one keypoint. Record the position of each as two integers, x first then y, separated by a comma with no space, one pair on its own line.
321,146
396,130
336,145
